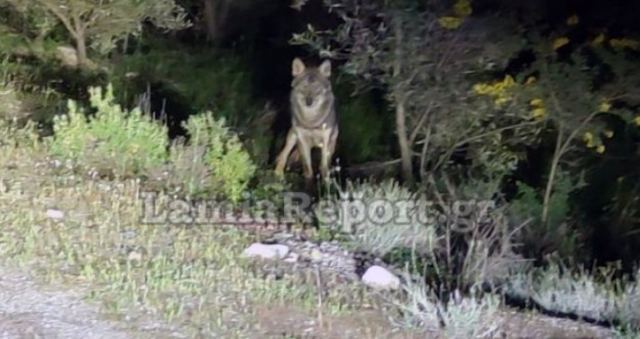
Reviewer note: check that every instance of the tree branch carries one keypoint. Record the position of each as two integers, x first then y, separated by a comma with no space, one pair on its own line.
65,20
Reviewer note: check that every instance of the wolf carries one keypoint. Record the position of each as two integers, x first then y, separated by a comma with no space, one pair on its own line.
314,121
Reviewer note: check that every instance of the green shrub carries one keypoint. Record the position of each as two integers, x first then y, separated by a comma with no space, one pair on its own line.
230,166
457,246
367,123
115,140
476,316
556,235
14,134
196,78
382,238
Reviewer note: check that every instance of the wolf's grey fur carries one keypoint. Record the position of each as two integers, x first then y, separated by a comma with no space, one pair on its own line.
314,122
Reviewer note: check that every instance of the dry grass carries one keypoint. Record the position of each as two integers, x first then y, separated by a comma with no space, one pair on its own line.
192,276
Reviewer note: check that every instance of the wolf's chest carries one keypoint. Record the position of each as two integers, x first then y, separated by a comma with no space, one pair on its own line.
316,137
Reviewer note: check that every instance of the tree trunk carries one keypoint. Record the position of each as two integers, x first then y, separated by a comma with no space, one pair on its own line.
403,142
400,103
215,15
81,50
555,162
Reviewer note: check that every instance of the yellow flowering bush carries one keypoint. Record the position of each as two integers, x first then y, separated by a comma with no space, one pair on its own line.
594,142
598,40
461,10
560,42
538,111
604,107
499,91
625,43
588,139
573,20
450,22
608,133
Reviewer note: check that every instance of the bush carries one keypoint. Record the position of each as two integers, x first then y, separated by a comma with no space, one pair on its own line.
113,140
381,238
460,317
17,135
554,236
225,86
216,159
455,247
597,296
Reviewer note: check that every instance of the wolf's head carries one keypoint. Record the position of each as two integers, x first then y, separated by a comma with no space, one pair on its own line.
311,85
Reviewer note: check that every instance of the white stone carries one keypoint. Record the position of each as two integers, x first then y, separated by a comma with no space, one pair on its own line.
315,255
292,258
380,278
55,214
266,251
67,55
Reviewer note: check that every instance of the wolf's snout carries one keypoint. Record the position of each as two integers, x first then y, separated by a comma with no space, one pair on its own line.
308,101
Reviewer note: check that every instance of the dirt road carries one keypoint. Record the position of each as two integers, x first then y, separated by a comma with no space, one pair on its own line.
30,310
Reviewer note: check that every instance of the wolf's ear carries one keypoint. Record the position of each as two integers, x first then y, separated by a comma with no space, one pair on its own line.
297,67
325,68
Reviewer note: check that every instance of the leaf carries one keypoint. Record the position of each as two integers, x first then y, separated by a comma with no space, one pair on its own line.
573,20
625,43
598,40
608,133
462,8
559,42
450,22
537,102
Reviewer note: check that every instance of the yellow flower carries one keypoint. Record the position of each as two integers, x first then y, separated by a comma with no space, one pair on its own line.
598,40
625,43
538,113
462,8
498,91
501,100
559,42
573,20
600,149
608,133
604,107
637,120
588,139
450,22
481,89
508,81
537,102
530,80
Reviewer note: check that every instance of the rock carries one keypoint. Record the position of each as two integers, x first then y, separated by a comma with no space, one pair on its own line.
134,256
55,214
315,255
259,250
380,278
292,258
68,56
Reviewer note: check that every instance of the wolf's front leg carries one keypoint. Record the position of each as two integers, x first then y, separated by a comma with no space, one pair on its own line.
281,161
328,149
325,160
304,148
